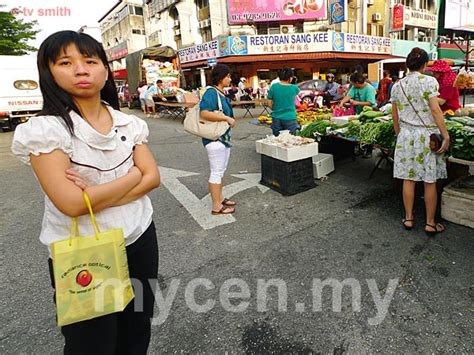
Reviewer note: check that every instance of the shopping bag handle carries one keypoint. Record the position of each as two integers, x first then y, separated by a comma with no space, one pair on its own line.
89,207
75,224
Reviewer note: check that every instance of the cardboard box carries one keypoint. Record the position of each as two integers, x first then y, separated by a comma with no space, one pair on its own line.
323,164
287,154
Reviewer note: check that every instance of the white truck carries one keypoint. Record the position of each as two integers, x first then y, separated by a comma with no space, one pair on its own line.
20,95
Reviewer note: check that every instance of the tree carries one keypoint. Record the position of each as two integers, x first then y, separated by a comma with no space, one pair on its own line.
14,34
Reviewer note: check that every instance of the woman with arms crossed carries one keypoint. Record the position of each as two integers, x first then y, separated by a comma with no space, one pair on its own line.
81,142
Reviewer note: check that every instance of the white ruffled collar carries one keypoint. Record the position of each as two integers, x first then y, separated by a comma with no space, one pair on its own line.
86,133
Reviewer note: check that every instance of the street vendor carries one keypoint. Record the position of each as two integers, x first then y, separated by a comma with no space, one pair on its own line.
448,94
361,93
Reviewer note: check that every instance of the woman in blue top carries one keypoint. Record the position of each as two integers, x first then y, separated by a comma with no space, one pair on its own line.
282,102
218,151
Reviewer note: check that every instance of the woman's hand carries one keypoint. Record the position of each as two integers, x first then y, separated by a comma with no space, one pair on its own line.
231,121
444,146
77,178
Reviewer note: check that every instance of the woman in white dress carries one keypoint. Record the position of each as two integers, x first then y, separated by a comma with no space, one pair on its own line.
416,115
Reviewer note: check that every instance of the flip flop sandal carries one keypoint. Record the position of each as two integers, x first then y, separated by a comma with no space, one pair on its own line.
224,210
438,228
228,202
404,221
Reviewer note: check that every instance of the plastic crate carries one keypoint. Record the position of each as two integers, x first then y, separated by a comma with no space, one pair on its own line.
339,147
287,178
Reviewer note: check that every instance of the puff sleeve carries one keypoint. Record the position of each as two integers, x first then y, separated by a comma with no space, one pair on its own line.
430,87
140,131
41,134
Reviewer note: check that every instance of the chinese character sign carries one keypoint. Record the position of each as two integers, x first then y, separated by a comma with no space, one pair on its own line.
202,51
289,43
398,18
244,11
367,44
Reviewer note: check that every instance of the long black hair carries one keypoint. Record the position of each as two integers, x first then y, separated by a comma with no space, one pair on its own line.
56,101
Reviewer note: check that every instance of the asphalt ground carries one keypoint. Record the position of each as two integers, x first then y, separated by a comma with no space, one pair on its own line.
346,229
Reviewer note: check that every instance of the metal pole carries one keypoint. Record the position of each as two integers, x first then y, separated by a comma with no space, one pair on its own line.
466,66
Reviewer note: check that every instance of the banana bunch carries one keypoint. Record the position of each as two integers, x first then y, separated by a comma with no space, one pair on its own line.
312,116
266,119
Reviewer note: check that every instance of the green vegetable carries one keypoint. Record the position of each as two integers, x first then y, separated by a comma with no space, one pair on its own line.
317,127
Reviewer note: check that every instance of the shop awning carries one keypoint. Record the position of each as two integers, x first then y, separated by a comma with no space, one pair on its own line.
304,57
200,63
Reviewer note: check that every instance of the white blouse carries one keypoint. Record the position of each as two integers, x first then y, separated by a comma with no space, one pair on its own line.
99,158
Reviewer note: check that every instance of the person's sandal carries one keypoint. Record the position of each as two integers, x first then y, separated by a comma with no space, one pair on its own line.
404,222
228,202
224,210
438,228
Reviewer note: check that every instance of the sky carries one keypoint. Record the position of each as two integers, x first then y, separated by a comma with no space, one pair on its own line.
57,15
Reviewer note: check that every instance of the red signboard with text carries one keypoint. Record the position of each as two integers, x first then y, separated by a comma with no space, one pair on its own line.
398,23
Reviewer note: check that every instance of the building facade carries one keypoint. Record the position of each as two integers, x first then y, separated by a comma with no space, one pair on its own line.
123,32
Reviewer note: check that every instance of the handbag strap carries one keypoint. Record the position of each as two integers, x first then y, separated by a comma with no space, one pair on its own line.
413,107
219,102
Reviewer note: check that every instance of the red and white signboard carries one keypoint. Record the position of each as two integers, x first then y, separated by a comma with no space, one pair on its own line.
398,23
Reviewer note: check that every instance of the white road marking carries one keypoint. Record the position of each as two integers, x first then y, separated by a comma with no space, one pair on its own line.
200,210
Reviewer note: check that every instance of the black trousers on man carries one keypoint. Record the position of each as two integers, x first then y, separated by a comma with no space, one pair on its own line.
126,332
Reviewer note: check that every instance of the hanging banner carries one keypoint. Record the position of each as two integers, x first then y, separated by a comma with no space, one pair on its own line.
337,11
199,52
367,44
398,23
245,11
289,43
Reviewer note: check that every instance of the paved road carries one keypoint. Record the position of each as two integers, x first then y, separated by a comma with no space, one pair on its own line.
346,229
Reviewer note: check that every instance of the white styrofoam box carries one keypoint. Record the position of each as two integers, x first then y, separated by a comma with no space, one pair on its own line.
265,149
323,164
287,154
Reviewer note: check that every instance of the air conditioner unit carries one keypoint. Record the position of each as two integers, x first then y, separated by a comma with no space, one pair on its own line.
177,32
370,2
204,23
176,23
377,16
284,29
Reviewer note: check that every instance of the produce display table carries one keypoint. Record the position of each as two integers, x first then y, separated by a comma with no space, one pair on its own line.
387,155
173,109
246,105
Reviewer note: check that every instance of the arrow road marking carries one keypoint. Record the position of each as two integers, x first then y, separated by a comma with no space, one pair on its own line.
200,210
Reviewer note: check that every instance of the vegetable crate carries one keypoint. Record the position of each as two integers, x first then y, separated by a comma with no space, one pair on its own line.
339,147
287,178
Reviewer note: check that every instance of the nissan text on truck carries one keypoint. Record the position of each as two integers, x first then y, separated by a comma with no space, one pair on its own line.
20,95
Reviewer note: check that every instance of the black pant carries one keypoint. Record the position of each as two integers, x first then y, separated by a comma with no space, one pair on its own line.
126,332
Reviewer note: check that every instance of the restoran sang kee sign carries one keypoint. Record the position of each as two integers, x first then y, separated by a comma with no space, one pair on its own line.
367,44
202,51
289,43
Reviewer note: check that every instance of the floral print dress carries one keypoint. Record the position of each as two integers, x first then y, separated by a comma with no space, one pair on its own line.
414,159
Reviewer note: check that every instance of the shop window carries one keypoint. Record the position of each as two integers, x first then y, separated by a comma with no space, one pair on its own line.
138,11
202,3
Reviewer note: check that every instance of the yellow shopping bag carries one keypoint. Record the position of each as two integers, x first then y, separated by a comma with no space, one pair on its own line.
90,273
